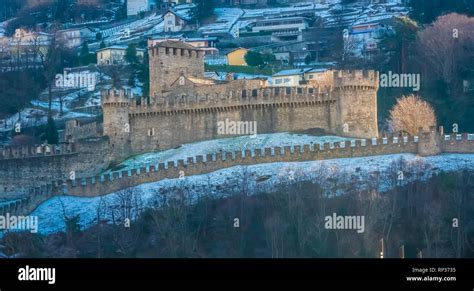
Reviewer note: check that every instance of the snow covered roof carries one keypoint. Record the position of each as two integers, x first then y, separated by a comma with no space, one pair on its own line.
292,72
179,15
113,47
317,70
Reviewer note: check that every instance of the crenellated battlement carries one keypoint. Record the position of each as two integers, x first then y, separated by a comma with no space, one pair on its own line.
176,51
30,151
356,79
251,98
116,97
203,164
115,181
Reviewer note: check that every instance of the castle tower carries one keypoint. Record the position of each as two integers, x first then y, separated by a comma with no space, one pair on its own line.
356,103
429,143
168,61
115,107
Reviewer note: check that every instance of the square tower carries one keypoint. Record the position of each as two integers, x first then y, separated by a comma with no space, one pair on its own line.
171,59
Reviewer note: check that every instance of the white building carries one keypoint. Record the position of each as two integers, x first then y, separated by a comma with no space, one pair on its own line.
115,55
173,22
281,24
313,77
289,78
75,37
134,7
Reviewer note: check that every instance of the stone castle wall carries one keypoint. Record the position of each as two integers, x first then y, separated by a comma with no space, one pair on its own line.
457,143
29,166
193,120
34,197
101,185
191,112
168,63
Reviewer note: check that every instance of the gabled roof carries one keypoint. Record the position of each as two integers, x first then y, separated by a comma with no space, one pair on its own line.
113,47
179,15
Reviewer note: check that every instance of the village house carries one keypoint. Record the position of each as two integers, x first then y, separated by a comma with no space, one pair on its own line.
174,21
290,78
115,55
75,37
285,24
206,44
314,77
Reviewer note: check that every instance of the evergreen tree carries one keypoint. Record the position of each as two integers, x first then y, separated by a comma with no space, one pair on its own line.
254,59
84,50
51,133
131,54
204,9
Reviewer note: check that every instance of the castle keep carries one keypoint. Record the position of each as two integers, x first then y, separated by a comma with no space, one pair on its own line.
185,107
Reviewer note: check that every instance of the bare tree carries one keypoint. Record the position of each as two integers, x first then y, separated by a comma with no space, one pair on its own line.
445,49
410,114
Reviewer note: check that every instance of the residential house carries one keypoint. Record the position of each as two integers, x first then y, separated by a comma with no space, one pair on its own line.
290,78
115,55
174,21
286,24
363,38
206,44
318,77
75,37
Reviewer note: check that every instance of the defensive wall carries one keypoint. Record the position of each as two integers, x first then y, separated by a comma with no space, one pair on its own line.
191,112
116,181
22,167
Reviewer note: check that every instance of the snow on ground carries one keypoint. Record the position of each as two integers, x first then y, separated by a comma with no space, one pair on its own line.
260,178
37,115
67,100
272,12
225,145
31,117
226,19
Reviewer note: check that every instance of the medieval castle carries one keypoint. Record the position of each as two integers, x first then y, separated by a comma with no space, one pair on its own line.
185,107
